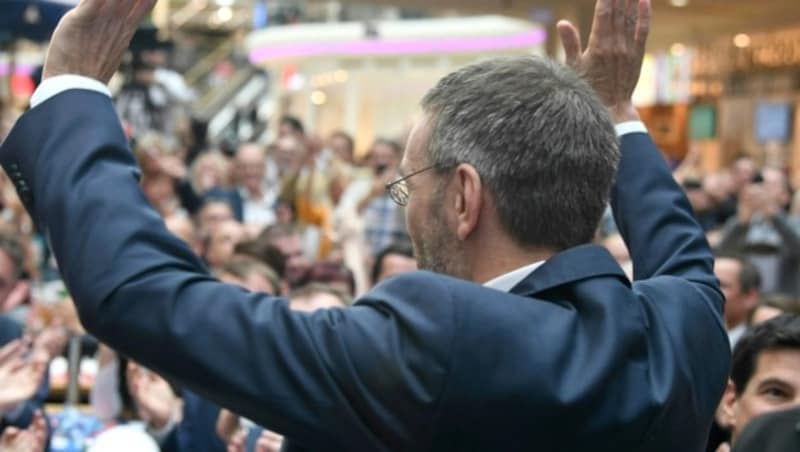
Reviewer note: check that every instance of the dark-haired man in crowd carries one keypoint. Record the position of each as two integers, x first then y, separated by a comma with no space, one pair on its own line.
740,282
765,374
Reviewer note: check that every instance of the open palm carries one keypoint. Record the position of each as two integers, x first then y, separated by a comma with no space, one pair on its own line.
19,378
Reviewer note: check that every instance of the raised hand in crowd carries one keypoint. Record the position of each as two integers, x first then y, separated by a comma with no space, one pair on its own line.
32,439
77,36
20,377
612,61
748,203
155,400
754,199
50,342
267,442
172,165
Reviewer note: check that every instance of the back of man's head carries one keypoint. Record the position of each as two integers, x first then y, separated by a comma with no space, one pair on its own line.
540,139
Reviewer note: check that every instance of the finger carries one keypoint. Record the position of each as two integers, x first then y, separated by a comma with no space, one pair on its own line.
139,10
38,421
631,19
603,23
619,24
132,370
571,40
643,25
10,350
89,8
16,365
9,435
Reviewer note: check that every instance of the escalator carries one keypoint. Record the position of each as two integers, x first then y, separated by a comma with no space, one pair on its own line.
230,92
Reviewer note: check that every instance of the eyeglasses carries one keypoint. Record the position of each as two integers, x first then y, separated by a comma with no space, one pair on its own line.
398,190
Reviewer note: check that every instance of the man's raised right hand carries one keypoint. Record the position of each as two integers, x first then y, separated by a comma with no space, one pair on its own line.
91,39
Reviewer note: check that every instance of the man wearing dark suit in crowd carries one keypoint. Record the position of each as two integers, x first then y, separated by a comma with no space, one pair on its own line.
535,340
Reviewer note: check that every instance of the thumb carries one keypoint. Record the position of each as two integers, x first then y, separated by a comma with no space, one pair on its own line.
571,40
9,435
724,447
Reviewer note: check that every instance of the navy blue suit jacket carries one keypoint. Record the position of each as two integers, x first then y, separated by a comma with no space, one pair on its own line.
576,358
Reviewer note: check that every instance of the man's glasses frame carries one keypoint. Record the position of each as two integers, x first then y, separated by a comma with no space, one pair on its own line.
398,190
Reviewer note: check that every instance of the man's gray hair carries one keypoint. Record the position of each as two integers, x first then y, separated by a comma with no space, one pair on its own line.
540,139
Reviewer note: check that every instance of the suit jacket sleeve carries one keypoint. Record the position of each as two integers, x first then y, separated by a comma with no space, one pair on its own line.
329,379
658,225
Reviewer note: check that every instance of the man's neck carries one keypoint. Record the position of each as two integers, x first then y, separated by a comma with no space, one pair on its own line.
488,266
733,325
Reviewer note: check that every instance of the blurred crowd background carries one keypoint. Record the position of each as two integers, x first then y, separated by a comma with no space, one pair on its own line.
267,130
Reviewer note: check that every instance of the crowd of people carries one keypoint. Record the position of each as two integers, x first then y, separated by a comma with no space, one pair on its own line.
312,219
301,217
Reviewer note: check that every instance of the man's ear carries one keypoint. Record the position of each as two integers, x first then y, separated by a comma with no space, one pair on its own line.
726,412
468,200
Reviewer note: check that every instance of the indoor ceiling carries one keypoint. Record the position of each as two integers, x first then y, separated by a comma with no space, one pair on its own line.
699,20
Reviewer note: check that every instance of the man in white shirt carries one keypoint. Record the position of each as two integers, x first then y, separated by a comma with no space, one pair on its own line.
257,192
740,282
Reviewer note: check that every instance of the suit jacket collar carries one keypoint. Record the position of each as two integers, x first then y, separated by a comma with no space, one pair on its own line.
574,264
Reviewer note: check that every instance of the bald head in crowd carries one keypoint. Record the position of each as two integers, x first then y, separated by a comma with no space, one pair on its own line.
250,164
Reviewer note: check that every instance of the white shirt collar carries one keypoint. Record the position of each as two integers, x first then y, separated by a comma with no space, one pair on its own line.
736,333
506,282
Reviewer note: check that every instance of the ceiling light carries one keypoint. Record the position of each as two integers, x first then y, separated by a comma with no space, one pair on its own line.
318,97
679,3
677,49
340,76
742,40
224,14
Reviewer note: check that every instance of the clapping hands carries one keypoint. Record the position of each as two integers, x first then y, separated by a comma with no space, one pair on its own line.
20,376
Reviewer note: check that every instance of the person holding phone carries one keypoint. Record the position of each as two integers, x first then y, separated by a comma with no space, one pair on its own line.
763,232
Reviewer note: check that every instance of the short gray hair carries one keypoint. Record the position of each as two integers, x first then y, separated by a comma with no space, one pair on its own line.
540,139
